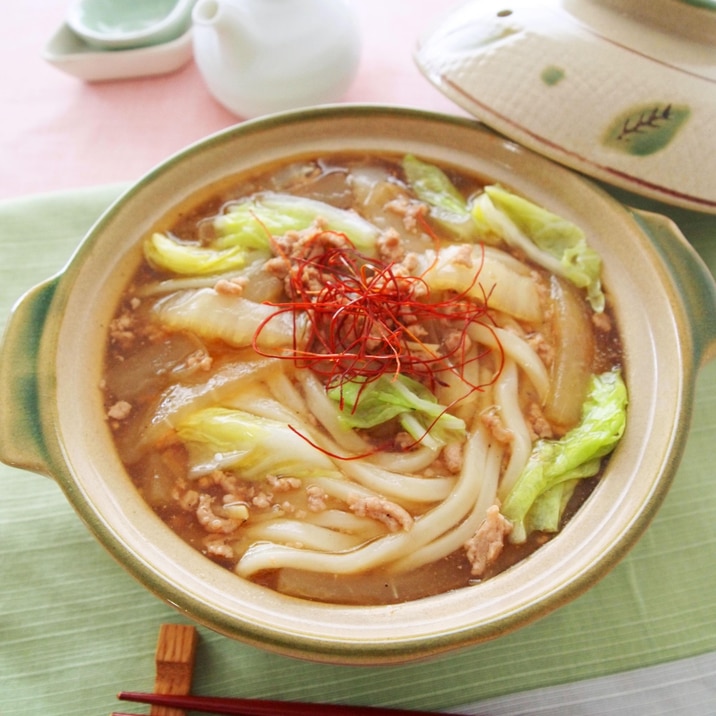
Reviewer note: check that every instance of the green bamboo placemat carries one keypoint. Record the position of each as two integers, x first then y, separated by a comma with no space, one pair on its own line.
75,628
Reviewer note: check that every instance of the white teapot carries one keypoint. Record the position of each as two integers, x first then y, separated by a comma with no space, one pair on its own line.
263,56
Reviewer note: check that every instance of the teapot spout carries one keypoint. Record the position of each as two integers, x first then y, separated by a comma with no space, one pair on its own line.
230,26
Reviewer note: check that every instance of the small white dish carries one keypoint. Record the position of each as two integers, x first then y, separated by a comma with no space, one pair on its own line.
69,53
117,24
622,95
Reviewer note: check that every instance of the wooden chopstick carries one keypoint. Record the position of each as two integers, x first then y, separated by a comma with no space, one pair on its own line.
259,707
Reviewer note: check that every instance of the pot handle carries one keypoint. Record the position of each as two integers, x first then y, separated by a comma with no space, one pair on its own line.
22,443
693,278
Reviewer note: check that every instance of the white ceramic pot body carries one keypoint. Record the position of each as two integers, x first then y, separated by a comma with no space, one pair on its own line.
263,56
52,419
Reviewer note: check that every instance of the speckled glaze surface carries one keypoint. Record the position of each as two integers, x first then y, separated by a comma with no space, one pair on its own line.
52,418
622,90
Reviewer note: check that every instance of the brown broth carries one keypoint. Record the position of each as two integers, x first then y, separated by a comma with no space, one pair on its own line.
144,360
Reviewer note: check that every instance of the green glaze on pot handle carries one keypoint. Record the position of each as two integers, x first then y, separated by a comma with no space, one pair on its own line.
692,276
21,438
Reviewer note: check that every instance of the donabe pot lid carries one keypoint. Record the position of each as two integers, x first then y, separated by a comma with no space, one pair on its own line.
622,91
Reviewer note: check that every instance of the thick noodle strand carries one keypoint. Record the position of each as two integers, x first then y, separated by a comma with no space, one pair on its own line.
410,461
406,488
517,349
507,394
299,532
485,468
324,409
451,511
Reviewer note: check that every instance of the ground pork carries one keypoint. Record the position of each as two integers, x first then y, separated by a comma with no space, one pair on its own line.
410,211
492,420
486,545
210,521
227,480
120,410
602,322
392,515
316,498
542,347
122,331
295,248
231,287
283,484
539,426
407,266
216,546
199,359
452,457
390,246
263,500
189,500
454,341
403,440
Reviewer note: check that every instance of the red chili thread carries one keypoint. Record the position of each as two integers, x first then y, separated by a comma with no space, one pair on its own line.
366,319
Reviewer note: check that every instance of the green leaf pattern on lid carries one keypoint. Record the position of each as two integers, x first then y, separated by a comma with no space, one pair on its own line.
647,128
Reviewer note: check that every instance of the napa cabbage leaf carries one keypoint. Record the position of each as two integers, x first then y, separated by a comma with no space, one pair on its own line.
530,504
229,318
226,438
367,404
447,205
549,240
433,186
165,252
243,233
250,223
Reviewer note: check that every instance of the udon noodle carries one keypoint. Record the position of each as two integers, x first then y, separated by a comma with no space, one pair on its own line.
365,379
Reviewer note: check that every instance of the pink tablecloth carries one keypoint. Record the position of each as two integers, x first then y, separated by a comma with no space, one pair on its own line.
56,132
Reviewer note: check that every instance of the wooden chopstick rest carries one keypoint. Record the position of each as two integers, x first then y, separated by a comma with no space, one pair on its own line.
174,662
